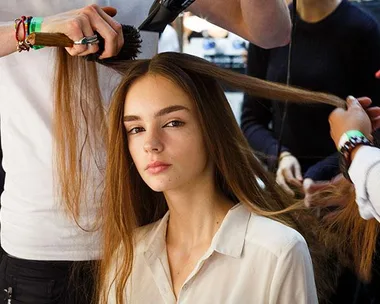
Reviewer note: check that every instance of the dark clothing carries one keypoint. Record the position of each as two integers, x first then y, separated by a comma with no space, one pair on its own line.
45,282
339,55
2,172
370,6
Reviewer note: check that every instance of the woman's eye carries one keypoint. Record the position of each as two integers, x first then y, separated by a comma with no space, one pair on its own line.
174,123
135,130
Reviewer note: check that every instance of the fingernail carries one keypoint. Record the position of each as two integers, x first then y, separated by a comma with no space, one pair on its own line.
352,100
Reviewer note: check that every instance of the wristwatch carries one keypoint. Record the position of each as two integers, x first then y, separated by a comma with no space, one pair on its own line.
347,143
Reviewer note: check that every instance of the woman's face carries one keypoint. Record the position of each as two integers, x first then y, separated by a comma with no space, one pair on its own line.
164,135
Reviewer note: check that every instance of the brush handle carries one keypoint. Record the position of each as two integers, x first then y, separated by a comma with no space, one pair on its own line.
50,39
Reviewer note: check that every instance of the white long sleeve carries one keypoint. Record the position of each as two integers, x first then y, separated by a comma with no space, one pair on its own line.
293,280
365,174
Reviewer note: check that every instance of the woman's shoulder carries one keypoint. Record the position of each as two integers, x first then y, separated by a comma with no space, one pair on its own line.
143,234
272,236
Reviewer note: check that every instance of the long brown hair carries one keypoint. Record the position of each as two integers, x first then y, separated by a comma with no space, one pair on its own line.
352,238
130,203
80,132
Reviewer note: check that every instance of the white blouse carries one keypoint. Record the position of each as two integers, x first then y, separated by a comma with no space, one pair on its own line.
252,259
365,174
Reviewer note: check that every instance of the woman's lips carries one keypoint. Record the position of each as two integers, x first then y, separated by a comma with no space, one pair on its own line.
157,167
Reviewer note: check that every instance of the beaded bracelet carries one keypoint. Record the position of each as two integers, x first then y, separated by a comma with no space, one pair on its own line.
26,26
22,44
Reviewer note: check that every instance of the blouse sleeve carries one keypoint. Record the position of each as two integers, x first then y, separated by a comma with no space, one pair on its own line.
293,280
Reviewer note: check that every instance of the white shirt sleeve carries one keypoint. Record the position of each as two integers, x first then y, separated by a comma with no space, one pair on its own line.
365,174
293,280
169,41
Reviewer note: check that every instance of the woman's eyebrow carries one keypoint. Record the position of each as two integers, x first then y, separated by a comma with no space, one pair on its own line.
161,112
131,118
171,109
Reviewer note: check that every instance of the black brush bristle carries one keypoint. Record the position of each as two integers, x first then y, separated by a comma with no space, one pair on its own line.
129,51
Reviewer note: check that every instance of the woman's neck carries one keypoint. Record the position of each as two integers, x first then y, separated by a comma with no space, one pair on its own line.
195,215
316,10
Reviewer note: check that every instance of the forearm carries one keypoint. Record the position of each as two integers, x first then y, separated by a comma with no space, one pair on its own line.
263,143
255,118
261,139
7,39
265,23
270,26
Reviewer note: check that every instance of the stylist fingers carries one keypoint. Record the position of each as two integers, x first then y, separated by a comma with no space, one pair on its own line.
110,11
289,172
354,118
96,19
85,30
84,22
372,112
111,31
365,102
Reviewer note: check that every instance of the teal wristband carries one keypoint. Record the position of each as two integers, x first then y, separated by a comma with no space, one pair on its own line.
35,26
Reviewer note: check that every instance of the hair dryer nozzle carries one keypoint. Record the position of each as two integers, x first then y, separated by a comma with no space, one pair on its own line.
163,12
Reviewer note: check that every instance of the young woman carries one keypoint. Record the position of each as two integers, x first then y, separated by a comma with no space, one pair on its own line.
46,146
180,169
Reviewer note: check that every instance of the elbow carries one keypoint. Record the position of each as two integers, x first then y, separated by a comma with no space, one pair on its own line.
272,37
284,37
276,38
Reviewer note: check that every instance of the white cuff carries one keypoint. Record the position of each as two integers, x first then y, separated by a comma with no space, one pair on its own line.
365,158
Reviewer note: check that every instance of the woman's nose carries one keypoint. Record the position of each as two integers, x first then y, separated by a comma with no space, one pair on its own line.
153,143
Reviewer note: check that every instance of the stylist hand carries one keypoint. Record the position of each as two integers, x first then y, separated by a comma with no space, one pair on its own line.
358,116
288,172
315,197
83,22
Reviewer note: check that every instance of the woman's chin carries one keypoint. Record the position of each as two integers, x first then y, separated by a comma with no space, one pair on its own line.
163,184
159,187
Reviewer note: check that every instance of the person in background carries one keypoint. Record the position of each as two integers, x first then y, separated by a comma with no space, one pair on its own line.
319,62
335,49
168,41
